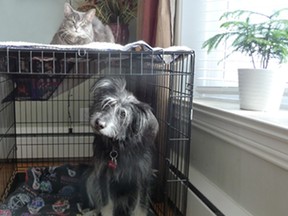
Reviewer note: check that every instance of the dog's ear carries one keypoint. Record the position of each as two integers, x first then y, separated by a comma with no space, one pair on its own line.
144,122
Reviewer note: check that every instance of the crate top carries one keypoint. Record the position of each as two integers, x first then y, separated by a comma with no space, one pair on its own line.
138,46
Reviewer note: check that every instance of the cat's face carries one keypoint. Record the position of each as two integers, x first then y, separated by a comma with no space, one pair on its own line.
77,26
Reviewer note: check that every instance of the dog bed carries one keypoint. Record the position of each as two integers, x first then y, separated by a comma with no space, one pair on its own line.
47,191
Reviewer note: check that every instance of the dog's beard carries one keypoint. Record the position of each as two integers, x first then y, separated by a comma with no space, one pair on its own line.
105,128
109,125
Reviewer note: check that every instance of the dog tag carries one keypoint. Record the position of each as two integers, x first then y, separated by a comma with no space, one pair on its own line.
112,164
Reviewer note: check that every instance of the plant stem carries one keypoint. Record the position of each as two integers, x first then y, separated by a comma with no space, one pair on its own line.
253,61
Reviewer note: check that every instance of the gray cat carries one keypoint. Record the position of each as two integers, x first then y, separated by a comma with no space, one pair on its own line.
80,28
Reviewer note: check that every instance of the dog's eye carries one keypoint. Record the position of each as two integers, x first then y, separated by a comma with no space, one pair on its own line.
122,114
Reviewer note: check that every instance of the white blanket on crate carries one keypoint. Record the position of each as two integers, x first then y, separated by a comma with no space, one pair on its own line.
166,55
160,55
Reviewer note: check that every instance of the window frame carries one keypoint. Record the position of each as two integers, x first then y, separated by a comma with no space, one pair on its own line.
189,25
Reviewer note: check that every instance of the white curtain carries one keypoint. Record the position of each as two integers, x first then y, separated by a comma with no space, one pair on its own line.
165,24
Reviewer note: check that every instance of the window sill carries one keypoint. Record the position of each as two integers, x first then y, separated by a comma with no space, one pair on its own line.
263,134
276,118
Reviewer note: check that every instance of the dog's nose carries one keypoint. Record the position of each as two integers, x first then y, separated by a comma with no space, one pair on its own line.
99,124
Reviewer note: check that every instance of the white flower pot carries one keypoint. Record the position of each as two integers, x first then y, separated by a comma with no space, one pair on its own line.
260,89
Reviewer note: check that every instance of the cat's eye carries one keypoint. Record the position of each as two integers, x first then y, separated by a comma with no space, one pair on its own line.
72,22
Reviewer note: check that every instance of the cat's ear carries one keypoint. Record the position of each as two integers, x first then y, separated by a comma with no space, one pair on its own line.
67,9
90,15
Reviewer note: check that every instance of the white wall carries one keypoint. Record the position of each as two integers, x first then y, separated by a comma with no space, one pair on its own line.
30,20
240,164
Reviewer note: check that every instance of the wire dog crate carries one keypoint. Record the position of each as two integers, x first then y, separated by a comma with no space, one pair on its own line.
44,110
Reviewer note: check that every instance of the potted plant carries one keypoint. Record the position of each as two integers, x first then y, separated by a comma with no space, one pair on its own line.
116,13
264,38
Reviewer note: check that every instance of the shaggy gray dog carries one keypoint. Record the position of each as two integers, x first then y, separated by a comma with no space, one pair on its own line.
125,130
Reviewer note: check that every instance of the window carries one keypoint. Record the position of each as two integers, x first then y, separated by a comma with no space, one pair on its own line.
199,21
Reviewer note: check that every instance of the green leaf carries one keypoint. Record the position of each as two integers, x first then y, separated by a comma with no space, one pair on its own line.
267,39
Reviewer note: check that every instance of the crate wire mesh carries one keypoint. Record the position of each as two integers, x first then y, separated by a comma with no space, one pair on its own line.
45,98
